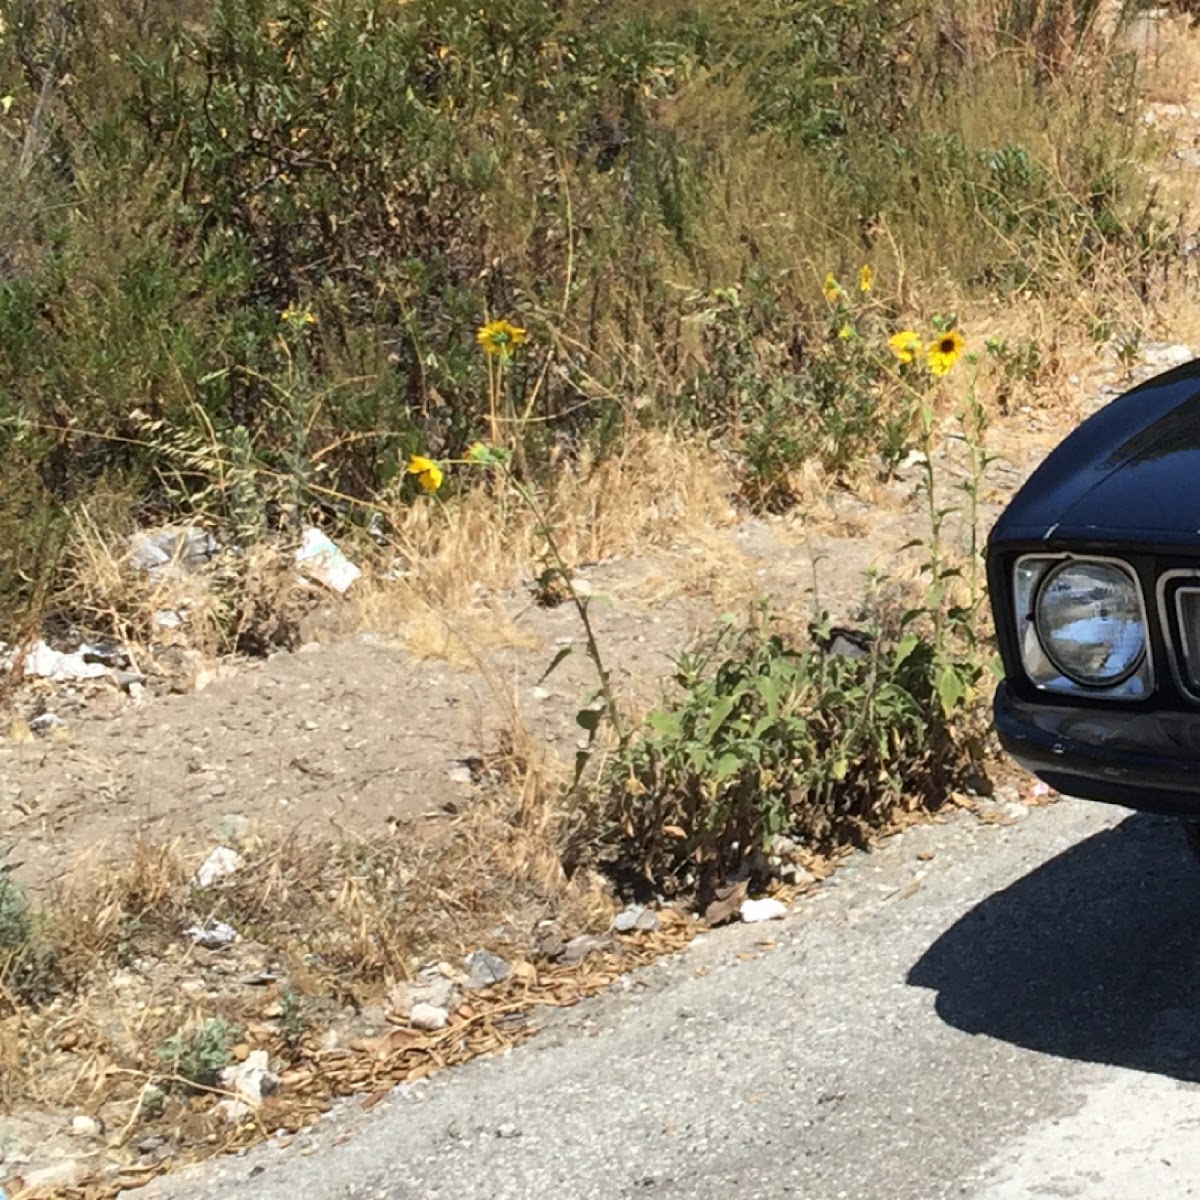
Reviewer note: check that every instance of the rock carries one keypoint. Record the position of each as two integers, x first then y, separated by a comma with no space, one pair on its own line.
549,944
768,909
636,917
462,775
172,552
251,1082
727,902
56,1178
624,922
84,1126
221,862
797,876
485,969
578,948
428,1017
440,992
539,693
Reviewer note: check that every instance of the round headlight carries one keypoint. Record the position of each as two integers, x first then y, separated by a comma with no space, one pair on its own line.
1089,620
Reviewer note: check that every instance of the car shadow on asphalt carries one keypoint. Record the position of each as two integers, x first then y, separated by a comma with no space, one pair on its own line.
1095,955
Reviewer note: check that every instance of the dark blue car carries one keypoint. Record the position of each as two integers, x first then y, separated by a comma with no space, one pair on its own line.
1094,575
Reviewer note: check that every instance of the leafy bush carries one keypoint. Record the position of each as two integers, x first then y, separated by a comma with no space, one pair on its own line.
825,743
180,175
199,1057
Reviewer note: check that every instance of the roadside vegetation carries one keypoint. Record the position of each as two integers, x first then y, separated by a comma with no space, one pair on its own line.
470,287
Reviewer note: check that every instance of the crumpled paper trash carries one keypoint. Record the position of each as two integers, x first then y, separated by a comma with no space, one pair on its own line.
88,662
321,560
768,909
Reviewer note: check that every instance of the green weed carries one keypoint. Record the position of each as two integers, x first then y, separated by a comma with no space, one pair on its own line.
198,1057
824,741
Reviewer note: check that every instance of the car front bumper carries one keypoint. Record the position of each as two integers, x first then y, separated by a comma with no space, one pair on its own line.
1141,759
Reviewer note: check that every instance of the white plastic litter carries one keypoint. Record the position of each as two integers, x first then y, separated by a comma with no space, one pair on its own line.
47,663
250,1082
323,561
172,552
221,862
213,935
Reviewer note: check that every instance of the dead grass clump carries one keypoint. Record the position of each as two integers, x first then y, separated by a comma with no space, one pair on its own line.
652,492
141,1019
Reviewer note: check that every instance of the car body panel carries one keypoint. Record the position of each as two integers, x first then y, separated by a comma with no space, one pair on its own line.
1125,484
1131,470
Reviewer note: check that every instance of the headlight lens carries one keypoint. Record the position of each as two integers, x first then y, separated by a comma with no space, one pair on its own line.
1088,618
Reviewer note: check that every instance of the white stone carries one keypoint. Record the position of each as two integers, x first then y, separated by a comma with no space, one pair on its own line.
428,1017
768,909
83,1126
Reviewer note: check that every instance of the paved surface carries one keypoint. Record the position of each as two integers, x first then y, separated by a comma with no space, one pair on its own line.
1016,1016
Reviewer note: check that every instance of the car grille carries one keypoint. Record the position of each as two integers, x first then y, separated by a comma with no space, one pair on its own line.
1179,613
1185,619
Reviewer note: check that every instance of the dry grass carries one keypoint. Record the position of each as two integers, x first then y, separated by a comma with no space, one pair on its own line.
333,924
434,589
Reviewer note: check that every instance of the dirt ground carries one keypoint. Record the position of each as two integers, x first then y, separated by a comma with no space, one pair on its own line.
356,734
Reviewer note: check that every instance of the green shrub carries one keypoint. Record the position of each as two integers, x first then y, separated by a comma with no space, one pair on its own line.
182,174
198,1057
825,745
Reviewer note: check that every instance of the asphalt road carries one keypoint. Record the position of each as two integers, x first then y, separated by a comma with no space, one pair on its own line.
1016,1016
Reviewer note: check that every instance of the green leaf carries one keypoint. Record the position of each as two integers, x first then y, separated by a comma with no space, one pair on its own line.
768,689
563,653
950,688
720,712
664,723
589,718
908,643
727,766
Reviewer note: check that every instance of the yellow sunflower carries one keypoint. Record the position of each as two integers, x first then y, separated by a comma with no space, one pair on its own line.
866,278
905,345
500,338
831,288
944,351
428,473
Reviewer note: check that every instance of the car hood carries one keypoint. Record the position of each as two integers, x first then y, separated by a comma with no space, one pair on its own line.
1129,473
